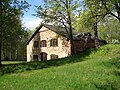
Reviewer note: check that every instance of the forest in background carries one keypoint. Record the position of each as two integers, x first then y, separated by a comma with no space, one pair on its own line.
101,18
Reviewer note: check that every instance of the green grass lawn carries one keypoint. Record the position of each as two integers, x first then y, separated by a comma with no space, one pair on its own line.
95,69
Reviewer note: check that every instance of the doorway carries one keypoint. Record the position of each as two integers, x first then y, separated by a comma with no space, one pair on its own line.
43,56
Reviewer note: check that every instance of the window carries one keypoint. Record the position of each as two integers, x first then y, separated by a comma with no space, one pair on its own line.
35,57
43,43
36,44
53,56
53,42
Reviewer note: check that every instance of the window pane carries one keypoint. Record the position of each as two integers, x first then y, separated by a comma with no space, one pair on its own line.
53,56
43,43
36,44
35,57
54,42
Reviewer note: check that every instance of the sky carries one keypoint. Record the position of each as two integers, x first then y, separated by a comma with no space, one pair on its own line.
28,20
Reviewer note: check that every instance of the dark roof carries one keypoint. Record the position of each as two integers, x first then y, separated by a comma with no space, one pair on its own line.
58,29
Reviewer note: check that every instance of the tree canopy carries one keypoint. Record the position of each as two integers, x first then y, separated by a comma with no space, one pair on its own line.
11,30
96,11
110,30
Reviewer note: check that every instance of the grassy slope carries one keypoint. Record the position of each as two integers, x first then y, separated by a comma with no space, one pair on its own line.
91,70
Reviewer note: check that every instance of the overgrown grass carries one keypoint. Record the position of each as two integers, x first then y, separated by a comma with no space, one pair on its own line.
95,69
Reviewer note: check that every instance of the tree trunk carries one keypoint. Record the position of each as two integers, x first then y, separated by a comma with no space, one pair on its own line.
0,52
71,41
0,33
71,35
68,6
96,35
95,30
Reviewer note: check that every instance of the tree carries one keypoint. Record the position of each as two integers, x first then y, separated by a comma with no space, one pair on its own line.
61,12
96,11
10,13
110,30
90,16
111,7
